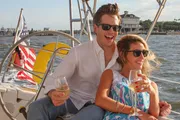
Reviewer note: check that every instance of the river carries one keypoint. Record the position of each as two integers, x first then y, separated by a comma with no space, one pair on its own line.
166,47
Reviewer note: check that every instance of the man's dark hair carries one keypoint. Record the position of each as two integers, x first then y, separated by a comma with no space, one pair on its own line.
110,9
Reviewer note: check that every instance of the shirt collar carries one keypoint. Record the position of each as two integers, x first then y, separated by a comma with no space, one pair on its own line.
116,54
97,47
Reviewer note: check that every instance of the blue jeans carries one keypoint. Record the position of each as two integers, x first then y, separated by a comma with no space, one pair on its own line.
43,109
91,112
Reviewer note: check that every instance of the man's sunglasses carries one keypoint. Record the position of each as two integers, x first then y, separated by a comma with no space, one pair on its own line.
106,27
137,53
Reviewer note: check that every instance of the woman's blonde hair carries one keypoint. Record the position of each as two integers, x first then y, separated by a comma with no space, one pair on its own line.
123,46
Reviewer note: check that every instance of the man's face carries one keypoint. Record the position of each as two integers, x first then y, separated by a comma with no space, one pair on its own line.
106,36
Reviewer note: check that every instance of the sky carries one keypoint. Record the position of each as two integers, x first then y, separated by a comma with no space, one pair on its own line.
54,14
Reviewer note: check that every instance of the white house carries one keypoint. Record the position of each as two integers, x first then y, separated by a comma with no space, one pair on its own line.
130,23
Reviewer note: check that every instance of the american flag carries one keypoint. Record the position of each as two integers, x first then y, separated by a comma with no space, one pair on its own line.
27,53
24,31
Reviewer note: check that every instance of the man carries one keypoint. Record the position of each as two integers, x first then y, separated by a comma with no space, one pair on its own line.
82,67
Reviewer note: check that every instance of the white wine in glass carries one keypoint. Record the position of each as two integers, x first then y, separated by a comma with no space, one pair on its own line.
62,86
133,77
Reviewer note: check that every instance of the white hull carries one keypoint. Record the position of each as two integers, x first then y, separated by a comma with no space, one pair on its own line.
14,98
5,117
10,96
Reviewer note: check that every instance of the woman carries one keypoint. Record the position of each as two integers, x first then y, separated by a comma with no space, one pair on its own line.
113,93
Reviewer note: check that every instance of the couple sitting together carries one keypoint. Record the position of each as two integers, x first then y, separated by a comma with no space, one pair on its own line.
97,73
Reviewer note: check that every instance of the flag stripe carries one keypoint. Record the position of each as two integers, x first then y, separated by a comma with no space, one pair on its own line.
29,55
22,75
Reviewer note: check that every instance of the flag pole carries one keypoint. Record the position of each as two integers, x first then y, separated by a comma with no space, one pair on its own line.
15,37
17,28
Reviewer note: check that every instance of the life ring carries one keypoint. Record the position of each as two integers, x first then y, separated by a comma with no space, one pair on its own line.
44,56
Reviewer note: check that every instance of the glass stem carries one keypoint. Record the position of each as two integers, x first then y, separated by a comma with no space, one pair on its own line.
66,107
135,103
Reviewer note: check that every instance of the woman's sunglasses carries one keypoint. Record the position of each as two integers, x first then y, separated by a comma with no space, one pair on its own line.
137,53
106,27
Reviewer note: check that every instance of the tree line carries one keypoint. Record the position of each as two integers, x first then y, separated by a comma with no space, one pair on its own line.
162,26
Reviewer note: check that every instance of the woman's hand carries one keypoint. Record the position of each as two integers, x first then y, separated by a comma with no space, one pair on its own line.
151,87
144,85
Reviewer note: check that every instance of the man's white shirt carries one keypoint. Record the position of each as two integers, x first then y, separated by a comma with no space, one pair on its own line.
83,67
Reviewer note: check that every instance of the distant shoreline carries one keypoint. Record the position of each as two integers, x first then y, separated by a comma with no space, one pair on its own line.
153,33
173,33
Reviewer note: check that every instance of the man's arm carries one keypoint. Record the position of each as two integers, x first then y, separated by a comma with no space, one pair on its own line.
65,68
165,108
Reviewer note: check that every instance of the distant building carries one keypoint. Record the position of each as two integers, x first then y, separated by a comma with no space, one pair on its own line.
130,23
46,29
10,31
2,31
7,31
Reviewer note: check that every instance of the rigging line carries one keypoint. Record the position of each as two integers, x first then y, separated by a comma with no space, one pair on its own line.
161,79
175,112
161,6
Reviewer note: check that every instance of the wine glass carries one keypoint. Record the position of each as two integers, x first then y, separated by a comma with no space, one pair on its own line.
133,77
62,86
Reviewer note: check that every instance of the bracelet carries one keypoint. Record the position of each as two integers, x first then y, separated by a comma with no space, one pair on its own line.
123,108
131,111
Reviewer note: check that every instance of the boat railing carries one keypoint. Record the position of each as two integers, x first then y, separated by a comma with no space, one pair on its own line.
6,63
85,12
48,70
51,62
165,80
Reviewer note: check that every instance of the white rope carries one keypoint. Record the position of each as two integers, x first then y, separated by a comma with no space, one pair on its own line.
175,112
161,79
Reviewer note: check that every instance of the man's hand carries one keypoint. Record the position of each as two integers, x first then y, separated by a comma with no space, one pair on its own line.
165,108
146,116
58,98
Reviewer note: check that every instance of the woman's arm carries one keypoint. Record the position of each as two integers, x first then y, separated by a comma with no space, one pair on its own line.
151,87
102,96
154,99
104,101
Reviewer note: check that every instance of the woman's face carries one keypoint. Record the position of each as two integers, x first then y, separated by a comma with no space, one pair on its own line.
135,57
